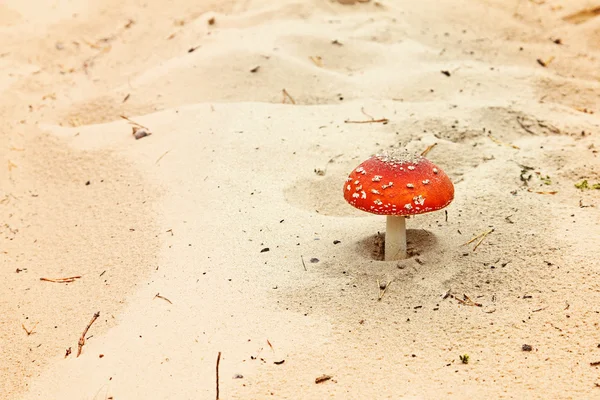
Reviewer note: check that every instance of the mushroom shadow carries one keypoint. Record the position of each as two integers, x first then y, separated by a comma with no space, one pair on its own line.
419,241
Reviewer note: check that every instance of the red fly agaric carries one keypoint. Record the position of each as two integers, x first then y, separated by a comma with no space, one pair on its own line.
398,184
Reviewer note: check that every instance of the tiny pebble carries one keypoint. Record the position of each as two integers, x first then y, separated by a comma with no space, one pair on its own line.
314,260
527,347
238,376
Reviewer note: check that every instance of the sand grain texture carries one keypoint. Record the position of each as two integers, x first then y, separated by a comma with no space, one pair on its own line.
230,170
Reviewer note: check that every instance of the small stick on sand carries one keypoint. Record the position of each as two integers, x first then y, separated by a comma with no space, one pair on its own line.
286,95
383,287
218,361
545,63
466,301
82,338
303,264
502,143
134,123
526,127
61,280
11,165
373,121
369,121
532,191
317,60
480,237
362,110
29,331
428,149
161,157
483,237
580,109
164,298
322,379
471,302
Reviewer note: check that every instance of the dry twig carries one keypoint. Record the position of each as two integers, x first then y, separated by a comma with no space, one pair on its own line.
584,110
582,15
161,157
428,149
82,338
162,297
382,288
539,192
480,237
371,120
495,140
218,361
286,95
29,331
61,280
467,301
133,122
322,378
527,128
317,60
545,63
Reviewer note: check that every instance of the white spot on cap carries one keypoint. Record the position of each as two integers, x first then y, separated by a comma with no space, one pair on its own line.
374,191
410,185
348,187
411,167
377,178
358,188
408,206
363,194
378,202
360,169
420,200
348,179
388,185
426,182
435,170
356,182
355,195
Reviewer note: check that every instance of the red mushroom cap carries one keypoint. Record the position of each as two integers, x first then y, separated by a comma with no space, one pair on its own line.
398,183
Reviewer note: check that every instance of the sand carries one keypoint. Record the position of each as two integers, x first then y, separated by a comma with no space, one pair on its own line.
226,230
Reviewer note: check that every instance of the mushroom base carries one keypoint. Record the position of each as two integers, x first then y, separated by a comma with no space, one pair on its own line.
395,238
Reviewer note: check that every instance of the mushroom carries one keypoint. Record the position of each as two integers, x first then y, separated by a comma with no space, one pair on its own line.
398,184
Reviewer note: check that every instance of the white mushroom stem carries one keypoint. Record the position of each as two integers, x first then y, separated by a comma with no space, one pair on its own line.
395,238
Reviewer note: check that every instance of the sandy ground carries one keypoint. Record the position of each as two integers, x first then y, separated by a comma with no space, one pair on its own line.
230,170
